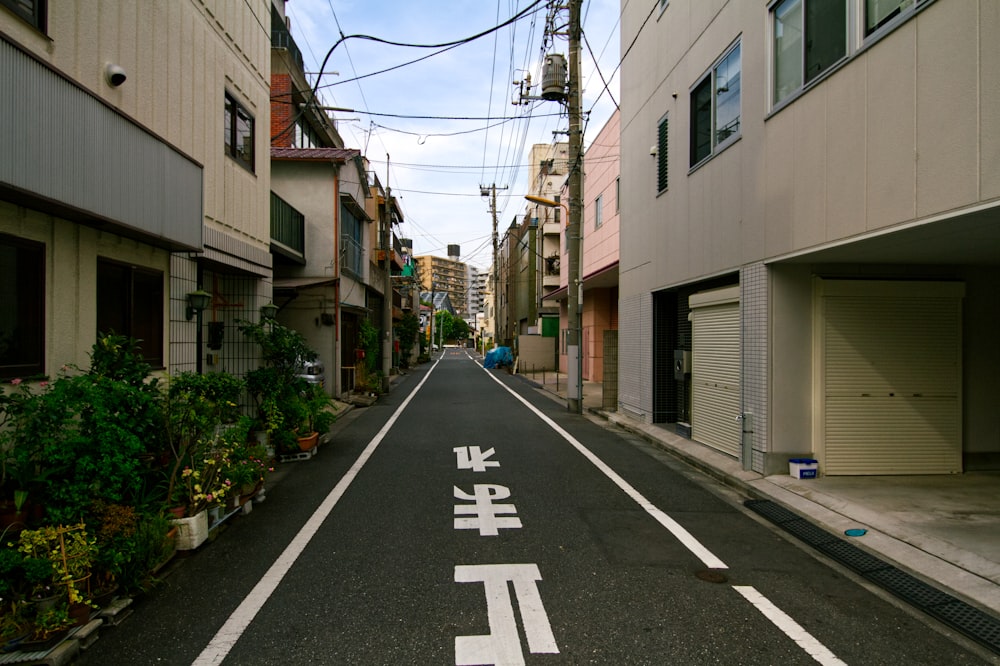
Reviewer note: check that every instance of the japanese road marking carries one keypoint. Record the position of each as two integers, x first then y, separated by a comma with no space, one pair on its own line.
792,629
503,644
487,520
474,458
681,534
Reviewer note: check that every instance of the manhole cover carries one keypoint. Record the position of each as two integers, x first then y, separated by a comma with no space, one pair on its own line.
711,576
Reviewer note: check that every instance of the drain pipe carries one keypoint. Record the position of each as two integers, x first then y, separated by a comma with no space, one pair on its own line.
746,419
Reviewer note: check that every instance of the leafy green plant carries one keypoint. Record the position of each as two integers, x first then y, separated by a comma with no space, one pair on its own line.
80,437
407,329
196,405
51,621
69,549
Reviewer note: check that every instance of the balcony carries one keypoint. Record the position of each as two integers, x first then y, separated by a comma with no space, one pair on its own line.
287,230
282,39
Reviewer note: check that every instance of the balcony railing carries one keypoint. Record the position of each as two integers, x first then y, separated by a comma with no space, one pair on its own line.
282,39
287,225
351,256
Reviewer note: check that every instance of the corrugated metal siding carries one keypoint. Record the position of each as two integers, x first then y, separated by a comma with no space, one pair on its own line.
892,379
715,377
59,143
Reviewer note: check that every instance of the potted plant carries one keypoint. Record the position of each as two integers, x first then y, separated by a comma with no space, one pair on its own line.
70,552
319,410
277,390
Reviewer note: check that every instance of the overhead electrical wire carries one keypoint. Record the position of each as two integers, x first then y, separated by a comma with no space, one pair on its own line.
389,42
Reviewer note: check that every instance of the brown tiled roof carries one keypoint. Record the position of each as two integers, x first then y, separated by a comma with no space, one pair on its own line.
335,154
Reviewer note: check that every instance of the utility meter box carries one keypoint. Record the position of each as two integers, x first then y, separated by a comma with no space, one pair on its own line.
682,364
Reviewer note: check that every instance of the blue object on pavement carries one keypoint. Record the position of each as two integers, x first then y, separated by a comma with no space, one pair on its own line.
499,357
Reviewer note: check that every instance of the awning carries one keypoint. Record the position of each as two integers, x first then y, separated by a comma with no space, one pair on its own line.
599,279
296,283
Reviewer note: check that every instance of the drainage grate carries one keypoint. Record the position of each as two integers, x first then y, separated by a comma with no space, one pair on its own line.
851,556
977,625
909,588
970,621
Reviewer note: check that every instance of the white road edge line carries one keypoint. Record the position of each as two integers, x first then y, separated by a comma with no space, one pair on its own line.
681,534
224,639
792,629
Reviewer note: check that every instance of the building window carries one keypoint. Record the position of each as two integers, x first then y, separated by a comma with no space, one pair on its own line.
22,308
715,107
599,211
662,151
32,11
239,133
352,242
881,12
130,303
810,36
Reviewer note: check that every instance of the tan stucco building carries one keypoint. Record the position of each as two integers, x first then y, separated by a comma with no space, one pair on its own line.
133,170
809,262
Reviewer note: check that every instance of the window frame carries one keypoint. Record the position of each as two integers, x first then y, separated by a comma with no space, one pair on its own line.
30,289
139,305
892,20
36,16
599,211
709,81
234,113
805,80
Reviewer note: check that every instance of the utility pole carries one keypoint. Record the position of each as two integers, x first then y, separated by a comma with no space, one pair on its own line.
387,296
574,230
492,191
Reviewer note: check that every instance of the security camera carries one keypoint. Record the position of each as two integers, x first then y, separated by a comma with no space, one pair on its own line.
115,75
652,150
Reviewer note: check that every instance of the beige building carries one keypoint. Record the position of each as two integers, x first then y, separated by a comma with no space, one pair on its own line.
809,262
133,170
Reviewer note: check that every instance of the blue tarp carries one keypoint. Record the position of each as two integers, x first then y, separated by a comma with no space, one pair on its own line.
499,357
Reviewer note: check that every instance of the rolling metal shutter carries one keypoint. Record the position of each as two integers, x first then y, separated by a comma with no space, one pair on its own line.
715,369
891,383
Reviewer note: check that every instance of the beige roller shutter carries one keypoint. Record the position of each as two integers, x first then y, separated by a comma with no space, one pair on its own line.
891,377
715,369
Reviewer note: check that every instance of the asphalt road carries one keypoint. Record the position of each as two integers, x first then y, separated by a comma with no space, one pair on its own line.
466,519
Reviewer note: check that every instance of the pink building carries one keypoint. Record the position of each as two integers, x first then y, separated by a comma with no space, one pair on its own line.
599,259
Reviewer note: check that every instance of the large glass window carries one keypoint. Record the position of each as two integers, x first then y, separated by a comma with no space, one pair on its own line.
22,308
239,133
715,107
881,12
130,302
810,36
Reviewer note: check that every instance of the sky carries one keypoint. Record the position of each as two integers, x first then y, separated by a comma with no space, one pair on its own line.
469,134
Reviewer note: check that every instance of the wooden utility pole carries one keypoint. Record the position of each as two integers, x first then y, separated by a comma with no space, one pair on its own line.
387,296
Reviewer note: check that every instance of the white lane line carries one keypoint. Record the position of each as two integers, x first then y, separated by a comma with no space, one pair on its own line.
226,637
792,629
681,534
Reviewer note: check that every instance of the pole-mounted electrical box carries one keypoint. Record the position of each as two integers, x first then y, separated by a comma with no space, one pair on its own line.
554,78
682,364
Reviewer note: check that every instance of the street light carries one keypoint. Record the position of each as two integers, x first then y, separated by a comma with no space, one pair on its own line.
548,203
574,304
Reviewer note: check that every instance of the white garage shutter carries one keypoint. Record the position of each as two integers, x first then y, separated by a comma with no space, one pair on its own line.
892,378
715,369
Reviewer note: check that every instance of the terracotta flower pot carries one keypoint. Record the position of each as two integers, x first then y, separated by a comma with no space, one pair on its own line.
308,442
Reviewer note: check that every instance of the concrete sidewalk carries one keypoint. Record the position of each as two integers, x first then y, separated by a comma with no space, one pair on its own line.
944,530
